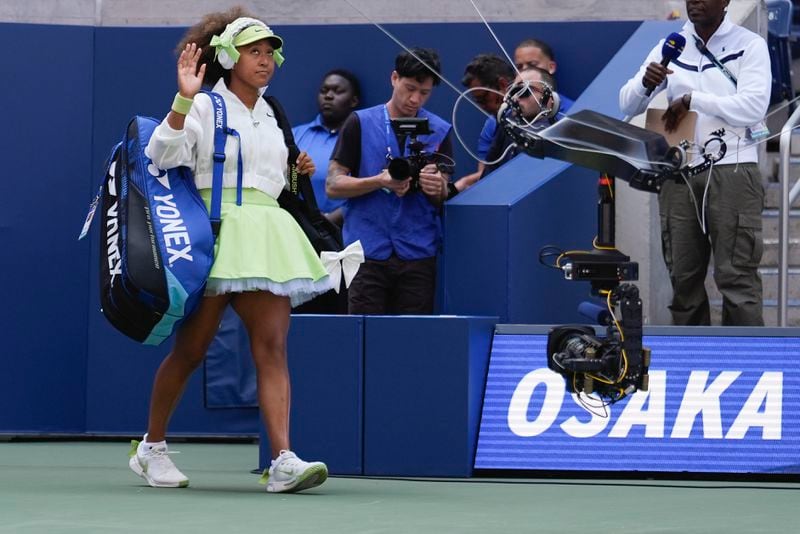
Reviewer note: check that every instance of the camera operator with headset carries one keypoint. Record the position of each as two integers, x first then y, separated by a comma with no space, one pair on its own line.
397,220
724,76
530,103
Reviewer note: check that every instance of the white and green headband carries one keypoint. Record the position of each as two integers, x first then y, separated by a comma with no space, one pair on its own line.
242,31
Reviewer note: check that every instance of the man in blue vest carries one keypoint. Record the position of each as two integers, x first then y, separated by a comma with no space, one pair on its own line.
396,220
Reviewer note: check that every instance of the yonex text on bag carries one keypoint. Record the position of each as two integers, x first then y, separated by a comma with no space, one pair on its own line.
157,241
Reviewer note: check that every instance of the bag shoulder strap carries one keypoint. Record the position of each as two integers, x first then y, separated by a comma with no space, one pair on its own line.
283,124
297,182
221,133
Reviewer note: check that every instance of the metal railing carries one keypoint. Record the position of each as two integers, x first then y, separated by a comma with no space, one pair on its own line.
787,198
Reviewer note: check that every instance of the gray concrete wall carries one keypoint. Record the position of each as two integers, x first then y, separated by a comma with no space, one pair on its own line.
185,12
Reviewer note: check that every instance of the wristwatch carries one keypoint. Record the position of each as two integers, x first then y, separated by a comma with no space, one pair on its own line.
451,190
687,100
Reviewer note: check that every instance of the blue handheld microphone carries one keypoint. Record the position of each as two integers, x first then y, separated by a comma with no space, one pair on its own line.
670,50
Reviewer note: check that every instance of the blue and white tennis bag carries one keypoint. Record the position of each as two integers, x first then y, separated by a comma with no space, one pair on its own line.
157,243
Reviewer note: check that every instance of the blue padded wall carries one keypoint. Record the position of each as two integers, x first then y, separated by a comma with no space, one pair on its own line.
493,234
326,361
135,76
602,94
44,192
423,389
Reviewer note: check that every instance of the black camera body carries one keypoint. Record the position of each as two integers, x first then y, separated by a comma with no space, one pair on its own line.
613,366
605,269
400,168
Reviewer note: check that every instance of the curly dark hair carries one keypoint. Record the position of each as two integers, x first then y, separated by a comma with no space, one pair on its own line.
487,69
201,34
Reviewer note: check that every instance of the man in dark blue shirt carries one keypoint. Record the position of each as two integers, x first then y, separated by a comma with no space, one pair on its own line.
339,94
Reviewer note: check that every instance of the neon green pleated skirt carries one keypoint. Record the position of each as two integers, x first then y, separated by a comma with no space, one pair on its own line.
261,247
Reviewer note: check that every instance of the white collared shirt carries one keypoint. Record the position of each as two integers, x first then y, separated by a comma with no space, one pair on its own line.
264,152
718,103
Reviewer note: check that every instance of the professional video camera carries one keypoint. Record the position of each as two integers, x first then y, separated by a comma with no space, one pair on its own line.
614,366
400,167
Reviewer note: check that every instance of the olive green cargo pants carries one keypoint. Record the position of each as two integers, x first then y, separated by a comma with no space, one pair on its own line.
734,203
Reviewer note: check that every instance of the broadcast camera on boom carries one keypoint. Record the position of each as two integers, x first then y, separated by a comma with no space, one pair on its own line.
615,365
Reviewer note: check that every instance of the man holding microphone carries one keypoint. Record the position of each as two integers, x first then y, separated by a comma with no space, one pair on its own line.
724,76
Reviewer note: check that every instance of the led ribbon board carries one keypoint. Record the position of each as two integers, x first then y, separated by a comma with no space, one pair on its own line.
718,404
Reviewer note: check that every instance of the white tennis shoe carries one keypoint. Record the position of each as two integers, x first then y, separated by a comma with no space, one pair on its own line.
290,474
154,465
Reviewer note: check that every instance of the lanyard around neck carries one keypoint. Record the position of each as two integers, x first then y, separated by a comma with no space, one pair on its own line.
391,139
717,63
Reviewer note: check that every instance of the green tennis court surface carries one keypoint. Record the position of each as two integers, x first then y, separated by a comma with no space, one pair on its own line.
83,487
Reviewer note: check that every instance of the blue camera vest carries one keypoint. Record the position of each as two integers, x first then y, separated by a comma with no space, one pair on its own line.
410,225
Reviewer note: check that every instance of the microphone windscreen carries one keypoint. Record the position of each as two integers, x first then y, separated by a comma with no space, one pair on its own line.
673,46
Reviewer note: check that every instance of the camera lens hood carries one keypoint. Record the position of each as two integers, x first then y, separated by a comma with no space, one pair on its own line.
399,168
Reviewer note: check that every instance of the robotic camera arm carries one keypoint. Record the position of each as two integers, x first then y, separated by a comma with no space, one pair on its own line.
642,158
614,366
